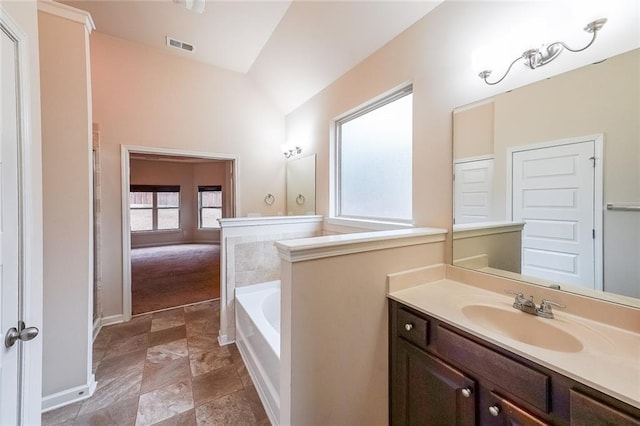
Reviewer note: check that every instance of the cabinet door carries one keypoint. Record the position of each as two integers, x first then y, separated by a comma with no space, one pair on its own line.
499,411
586,411
430,392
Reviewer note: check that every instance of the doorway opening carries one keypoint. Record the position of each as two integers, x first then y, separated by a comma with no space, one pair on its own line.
171,201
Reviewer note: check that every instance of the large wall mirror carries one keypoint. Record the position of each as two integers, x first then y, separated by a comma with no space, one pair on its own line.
301,186
547,182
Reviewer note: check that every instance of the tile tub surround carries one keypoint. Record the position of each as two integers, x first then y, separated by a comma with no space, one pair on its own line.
248,256
613,348
166,367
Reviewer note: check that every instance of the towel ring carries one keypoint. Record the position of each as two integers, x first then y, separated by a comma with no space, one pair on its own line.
269,199
300,200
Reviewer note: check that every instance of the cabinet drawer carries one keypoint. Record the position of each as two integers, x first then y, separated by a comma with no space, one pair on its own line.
413,328
530,385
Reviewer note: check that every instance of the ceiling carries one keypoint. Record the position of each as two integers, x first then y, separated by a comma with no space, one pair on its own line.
291,49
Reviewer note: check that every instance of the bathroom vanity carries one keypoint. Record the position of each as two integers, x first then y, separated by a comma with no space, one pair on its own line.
449,366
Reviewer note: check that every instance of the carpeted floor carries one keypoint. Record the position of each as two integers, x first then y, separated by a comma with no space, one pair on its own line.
170,276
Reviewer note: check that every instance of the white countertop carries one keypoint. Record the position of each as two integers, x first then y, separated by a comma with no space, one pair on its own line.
608,362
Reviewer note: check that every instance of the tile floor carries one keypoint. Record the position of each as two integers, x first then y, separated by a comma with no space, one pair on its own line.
166,368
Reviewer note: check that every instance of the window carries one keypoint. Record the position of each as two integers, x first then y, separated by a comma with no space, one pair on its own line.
154,207
374,160
209,206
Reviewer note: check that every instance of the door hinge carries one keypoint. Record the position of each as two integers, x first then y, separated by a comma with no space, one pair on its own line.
593,234
594,161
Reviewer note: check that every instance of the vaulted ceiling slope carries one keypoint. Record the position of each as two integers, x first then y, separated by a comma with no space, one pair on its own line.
291,49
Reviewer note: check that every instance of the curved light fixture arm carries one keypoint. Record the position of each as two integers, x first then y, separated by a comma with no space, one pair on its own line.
485,74
564,45
535,58
592,27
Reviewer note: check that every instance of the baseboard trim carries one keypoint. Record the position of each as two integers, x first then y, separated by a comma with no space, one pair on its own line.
112,319
69,396
97,326
175,243
223,340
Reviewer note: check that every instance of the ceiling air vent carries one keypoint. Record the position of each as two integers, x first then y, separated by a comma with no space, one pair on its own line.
172,42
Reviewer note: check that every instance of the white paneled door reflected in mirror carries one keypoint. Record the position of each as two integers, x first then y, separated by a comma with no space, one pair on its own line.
534,170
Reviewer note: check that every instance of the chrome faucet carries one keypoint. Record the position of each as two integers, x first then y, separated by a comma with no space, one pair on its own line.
545,311
523,304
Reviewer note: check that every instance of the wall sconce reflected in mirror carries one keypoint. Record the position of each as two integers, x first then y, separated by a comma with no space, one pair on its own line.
290,151
534,58
196,6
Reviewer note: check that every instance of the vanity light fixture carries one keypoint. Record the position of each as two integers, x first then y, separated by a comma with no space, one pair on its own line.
196,6
290,152
534,58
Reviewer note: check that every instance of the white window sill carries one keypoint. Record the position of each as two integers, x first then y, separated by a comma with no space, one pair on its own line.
365,225
157,231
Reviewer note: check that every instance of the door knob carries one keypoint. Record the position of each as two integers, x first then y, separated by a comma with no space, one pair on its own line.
25,334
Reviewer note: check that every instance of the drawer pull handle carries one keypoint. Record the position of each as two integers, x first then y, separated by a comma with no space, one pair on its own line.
494,410
466,392
408,326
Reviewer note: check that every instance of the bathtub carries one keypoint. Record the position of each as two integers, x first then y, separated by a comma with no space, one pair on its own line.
258,339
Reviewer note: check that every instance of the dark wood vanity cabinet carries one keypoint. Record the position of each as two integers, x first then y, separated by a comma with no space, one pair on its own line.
426,378
440,375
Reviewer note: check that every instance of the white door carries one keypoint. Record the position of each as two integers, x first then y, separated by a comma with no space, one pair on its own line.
553,193
12,244
473,188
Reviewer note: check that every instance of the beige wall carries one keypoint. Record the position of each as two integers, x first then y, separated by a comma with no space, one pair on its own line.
301,180
503,250
423,55
329,385
66,174
435,54
25,16
600,98
188,176
473,131
144,97
335,335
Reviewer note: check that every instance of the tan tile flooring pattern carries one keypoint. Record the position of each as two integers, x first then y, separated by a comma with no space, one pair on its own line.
166,368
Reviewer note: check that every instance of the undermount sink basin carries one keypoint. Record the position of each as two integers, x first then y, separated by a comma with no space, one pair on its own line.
525,328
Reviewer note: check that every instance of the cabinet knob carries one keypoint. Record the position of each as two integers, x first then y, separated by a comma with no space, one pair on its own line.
408,326
466,392
494,410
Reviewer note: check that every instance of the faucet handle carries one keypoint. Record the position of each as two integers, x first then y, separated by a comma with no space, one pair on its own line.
519,295
547,302
545,310
521,302
520,299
